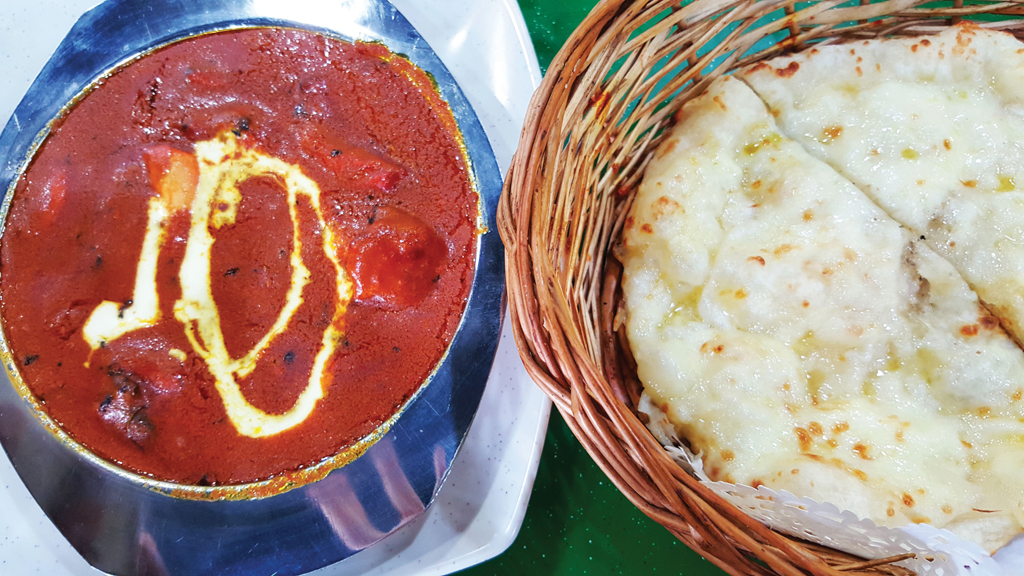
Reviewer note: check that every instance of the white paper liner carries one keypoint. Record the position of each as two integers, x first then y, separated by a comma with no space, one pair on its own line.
939,552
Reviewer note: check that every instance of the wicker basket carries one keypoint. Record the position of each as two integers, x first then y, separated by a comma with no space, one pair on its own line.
590,131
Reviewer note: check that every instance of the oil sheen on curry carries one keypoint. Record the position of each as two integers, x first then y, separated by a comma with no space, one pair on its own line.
239,255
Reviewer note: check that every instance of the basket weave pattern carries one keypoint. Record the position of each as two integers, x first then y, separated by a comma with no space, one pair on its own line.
592,126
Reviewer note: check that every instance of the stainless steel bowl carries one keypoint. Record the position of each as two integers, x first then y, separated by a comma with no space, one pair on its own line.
126,524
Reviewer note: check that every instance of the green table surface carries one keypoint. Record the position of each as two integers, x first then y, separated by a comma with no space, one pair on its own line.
577,521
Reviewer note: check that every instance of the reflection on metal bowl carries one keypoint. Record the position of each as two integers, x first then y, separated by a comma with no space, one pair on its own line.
126,524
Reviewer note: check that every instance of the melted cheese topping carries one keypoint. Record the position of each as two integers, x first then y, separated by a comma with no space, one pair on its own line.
223,166
800,338
932,129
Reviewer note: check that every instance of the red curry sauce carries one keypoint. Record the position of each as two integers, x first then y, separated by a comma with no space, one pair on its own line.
367,127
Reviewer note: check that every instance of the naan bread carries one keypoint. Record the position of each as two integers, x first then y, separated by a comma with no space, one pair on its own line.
932,129
800,338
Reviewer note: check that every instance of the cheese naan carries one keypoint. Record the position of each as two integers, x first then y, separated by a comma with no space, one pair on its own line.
799,337
932,129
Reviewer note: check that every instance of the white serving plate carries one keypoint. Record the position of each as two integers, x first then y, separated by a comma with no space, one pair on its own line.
480,508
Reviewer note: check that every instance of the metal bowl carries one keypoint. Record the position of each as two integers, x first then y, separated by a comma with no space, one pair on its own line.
124,523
